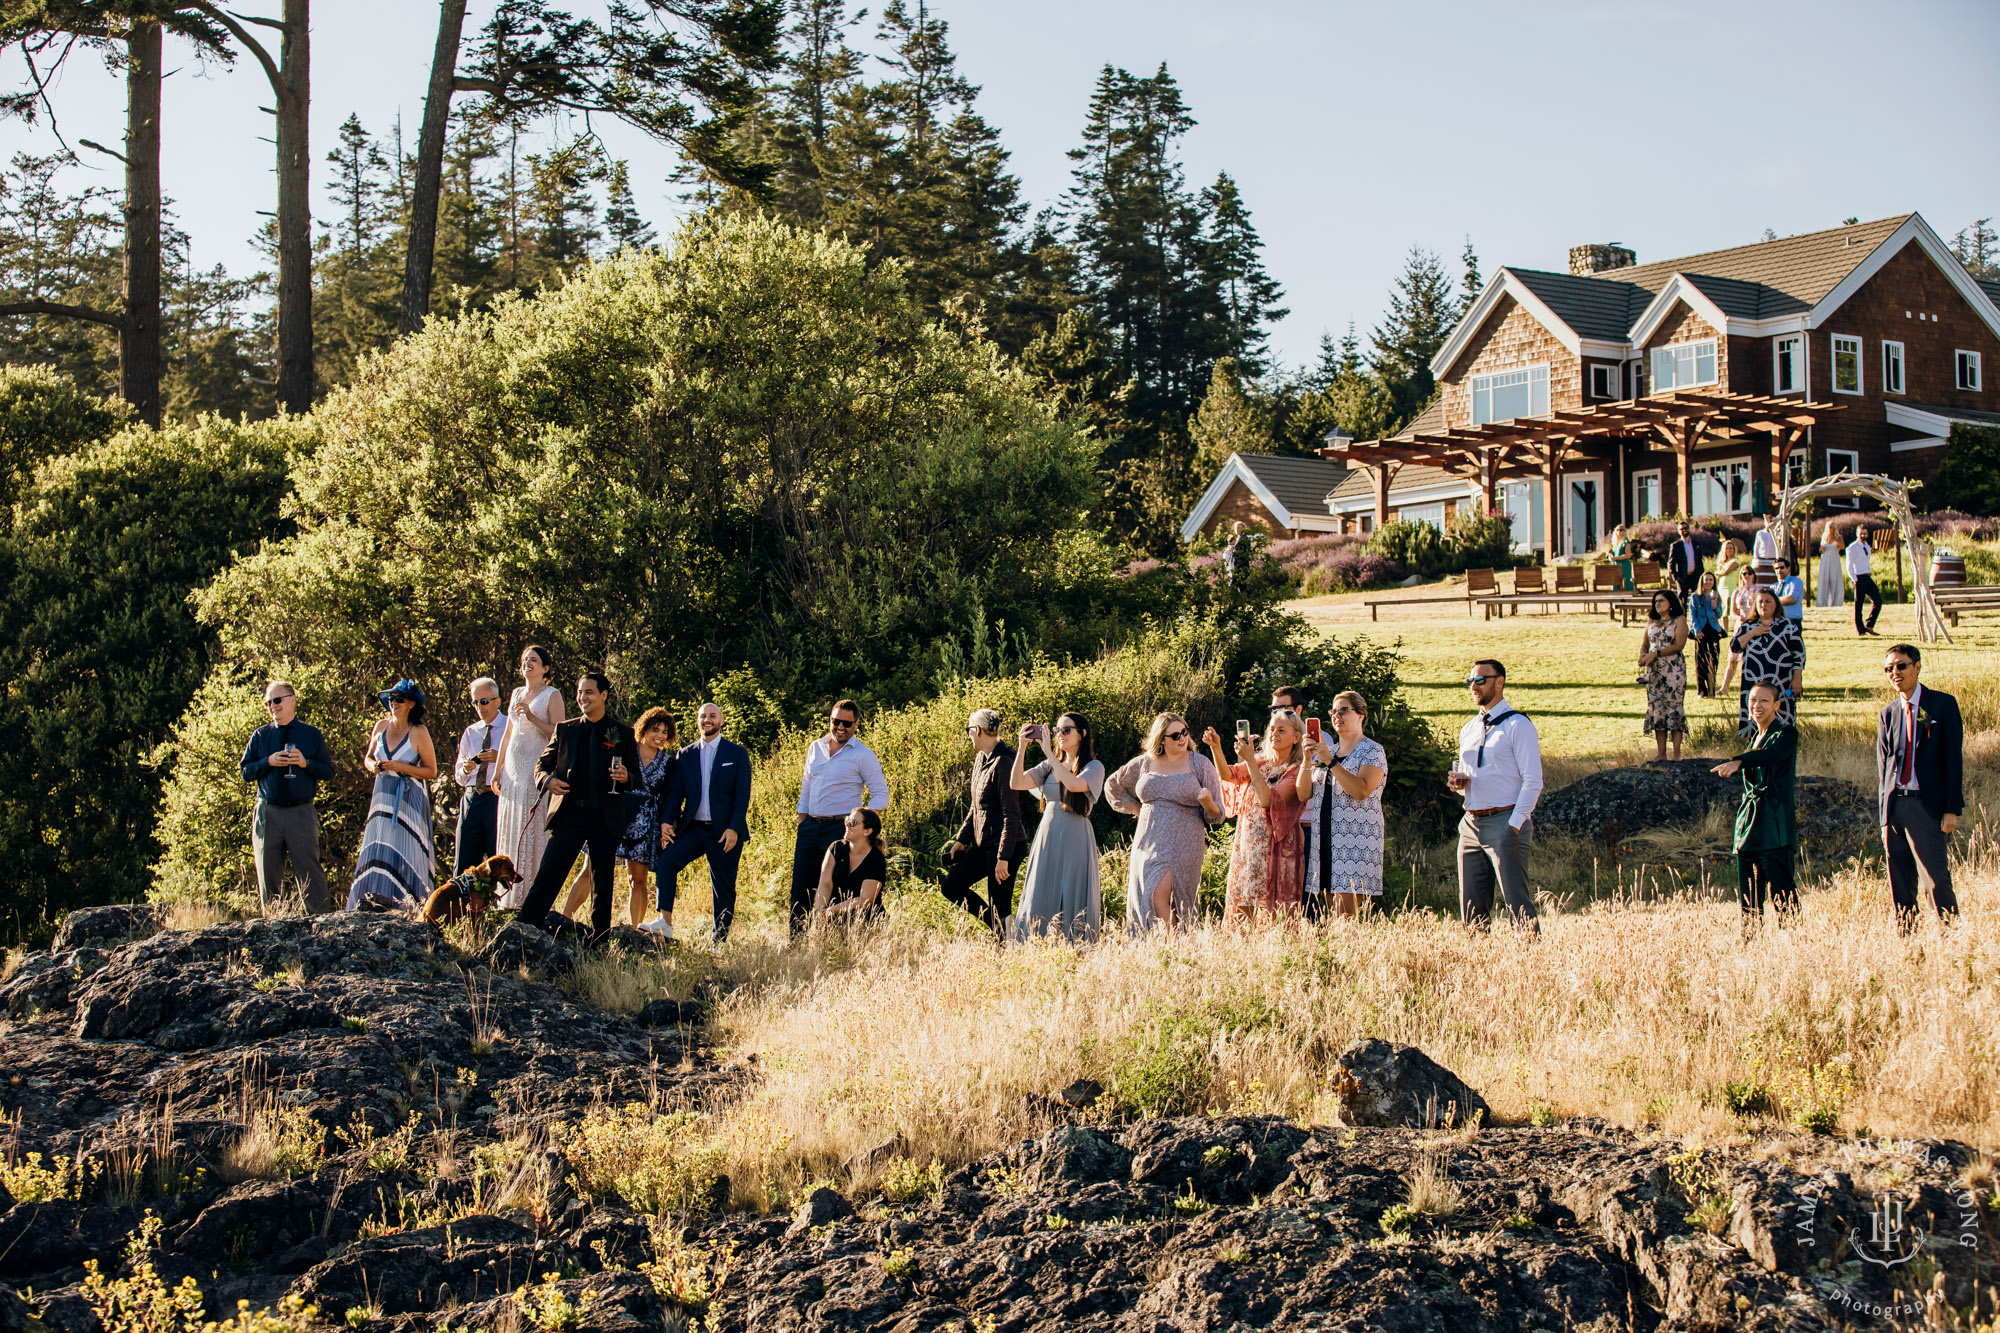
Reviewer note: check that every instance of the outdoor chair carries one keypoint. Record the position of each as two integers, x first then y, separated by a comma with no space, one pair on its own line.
1645,573
1569,578
1529,580
1607,578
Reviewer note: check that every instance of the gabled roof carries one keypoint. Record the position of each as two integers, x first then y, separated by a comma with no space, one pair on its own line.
1795,279
1358,485
1294,490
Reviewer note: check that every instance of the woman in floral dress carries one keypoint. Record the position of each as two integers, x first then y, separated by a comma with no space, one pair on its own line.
1665,665
1267,791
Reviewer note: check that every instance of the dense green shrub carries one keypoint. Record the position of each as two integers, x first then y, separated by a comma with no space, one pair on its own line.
45,414
1417,547
1470,541
1968,478
99,653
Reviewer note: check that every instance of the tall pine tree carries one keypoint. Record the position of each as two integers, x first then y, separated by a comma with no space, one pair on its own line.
1422,311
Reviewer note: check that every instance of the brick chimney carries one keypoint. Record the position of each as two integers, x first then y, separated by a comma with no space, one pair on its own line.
1585,260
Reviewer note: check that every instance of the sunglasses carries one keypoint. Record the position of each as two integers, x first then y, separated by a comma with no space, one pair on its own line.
1180,735
1893,667
1065,731
1349,712
273,703
481,703
1479,680
847,723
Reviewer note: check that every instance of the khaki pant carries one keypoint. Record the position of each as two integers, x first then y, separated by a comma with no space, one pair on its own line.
279,831
1490,851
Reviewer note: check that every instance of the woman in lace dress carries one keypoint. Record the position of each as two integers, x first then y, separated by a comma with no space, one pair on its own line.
532,713
1346,811
1266,790
1175,792
1665,664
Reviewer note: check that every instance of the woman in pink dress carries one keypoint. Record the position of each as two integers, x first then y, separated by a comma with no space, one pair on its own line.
1267,792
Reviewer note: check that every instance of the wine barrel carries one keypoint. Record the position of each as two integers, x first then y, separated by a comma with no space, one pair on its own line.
1947,569
1764,574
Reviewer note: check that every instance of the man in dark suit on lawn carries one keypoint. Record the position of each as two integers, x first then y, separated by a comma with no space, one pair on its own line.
709,818
991,841
586,769
1683,562
1920,756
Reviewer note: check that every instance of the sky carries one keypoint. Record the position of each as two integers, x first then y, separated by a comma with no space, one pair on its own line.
1355,130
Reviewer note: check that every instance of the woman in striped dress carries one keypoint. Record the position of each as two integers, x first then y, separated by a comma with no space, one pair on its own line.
395,859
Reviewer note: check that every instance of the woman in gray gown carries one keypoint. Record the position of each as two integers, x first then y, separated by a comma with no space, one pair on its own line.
1176,794
1059,892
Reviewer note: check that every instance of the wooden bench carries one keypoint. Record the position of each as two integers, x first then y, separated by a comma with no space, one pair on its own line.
1569,578
1955,600
1645,573
1480,585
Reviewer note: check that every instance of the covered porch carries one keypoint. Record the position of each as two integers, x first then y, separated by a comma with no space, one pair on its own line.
1585,447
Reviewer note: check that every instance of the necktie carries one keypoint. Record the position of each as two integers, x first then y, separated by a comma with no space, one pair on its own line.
1909,741
479,771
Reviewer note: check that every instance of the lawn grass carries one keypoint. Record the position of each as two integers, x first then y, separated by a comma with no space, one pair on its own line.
1574,673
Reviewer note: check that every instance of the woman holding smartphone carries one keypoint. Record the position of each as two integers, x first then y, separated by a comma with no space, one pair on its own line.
1266,790
1059,893
1344,853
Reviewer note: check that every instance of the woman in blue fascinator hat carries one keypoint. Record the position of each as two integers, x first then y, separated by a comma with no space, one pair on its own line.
393,870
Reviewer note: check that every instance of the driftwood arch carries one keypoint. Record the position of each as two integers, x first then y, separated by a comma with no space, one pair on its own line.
1893,496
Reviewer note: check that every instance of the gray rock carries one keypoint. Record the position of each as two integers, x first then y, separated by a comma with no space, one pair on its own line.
108,925
1084,1092
1835,817
670,1013
518,946
1387,1084
821,1207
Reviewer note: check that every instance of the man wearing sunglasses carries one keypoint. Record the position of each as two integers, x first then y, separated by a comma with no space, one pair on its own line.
1919,755
478,759
841,776
287,759
1499,775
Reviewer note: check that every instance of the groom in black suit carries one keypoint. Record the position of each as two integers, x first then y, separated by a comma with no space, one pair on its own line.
710,818
586,770
1919,754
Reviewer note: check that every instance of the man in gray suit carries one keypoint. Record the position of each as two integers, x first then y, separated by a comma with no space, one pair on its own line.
1920,759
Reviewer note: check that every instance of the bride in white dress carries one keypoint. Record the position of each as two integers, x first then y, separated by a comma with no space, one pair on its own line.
532,713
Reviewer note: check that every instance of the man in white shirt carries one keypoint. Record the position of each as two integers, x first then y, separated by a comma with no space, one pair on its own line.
1765,544
1860,561
1499,775
478,762
841,775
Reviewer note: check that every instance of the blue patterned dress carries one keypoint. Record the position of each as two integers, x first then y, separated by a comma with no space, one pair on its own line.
1354,828
642,835
395,859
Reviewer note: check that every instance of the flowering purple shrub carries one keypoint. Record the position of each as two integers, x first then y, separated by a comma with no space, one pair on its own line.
1337,562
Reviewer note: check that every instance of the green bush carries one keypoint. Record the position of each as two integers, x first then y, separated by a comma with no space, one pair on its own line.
45,414
1417,547
1968,477
1470,541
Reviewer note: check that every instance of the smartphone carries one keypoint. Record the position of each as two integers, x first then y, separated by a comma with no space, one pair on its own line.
1039,731
1312,730
1242,726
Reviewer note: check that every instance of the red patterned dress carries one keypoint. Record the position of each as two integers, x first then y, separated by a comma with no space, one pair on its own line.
1266,861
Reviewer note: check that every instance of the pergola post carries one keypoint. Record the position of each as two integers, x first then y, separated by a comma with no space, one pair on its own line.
1551,466
1684,466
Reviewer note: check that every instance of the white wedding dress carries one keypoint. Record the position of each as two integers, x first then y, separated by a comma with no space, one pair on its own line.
521,834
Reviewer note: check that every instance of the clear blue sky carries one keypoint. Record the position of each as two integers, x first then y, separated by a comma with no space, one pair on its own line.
1354,129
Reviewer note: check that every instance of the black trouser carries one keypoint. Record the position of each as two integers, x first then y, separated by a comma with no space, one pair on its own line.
1864,586
808,854
577,828
478,828
970,867
1766,876
690,845
1916,839
1704,661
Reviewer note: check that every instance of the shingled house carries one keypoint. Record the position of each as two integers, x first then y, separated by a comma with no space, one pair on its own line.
1700,385
1287,497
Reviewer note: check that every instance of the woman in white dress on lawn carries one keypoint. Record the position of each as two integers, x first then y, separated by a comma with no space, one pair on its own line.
532,713
1832,577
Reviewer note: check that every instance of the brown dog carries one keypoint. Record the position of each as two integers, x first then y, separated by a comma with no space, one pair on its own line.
469,893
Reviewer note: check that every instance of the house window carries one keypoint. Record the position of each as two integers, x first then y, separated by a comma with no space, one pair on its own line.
1510,394
1788,364
1722,488
1646,496
1892,367
1604,381
1431,514
1684,365
1796,469
1837,462
1635,378
1846,364
1968,370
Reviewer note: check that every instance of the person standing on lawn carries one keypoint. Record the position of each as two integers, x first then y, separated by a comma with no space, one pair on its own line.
1499,776
1683,561
841,774
1767,824
1705,623
1920,757
1860,560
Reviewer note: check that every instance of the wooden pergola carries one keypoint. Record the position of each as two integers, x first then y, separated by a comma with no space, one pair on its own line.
1537,447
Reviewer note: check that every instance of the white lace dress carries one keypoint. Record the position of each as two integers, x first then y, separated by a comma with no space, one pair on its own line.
530,723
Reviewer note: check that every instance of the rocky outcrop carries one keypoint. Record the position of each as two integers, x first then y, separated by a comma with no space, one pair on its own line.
156,1052
1836,817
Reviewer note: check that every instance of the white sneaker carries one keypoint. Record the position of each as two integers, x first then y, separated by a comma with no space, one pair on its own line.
659,927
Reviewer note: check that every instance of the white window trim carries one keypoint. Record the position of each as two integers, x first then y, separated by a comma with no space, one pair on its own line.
1472,389
1902,368
1833,364
1804,345
1569,536
1853,465
1805,470
1653,378
1711,463
1978,375
1659,487
1612,372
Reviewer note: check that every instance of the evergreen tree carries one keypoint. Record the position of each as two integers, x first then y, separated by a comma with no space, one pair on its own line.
1228,422
1421,314
622,222
1470,282
565,211
1247,295
1978,248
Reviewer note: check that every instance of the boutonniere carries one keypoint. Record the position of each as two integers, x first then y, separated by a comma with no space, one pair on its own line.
1923,718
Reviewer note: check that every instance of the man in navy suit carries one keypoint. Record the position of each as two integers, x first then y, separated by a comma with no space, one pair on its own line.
709,817
1919,754
1683,561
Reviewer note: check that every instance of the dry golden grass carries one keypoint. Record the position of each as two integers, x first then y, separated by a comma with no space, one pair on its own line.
197,915
1642,1014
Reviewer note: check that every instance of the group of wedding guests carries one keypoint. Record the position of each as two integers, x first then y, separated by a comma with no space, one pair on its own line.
1755,601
